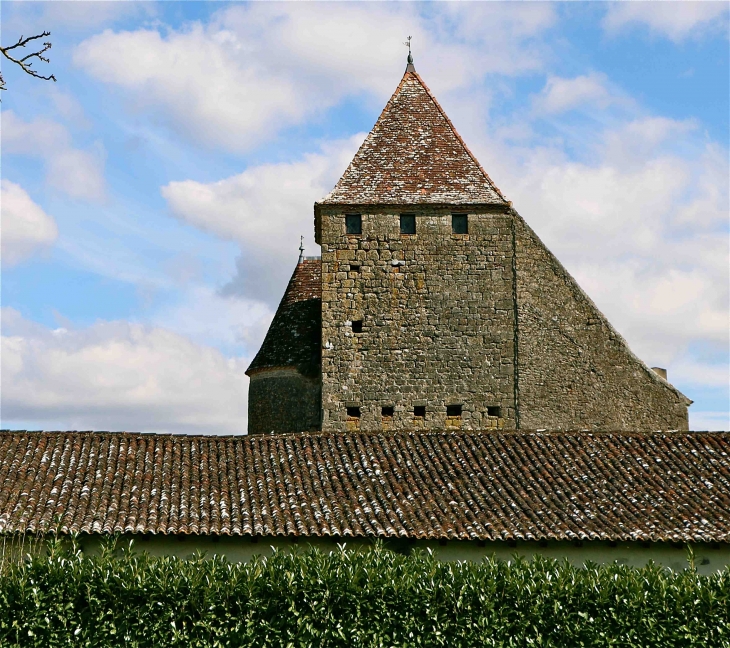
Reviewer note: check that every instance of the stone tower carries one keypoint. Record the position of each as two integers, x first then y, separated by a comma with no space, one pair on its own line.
441,308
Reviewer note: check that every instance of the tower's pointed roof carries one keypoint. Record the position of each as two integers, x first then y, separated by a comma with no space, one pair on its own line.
414,155
294,336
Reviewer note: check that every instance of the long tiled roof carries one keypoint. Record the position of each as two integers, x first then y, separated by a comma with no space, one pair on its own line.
449,485
414,155
293,339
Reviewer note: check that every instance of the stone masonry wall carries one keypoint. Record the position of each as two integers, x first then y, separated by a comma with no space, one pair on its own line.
437,318
282,400
574,370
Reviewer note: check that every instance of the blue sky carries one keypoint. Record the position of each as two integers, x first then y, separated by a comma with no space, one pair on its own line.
153,198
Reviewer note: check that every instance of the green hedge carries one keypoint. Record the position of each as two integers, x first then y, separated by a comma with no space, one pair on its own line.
347,598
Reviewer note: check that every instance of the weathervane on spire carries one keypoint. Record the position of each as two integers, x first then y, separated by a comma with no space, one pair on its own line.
409,67
301,248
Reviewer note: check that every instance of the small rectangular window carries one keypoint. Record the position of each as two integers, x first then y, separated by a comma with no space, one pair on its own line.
354,267
353,412
419,411
387,411
353,223
407,223
453,411
459,224
357,326
494,411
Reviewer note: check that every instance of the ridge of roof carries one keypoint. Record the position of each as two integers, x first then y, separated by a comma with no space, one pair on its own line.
458,180
385,433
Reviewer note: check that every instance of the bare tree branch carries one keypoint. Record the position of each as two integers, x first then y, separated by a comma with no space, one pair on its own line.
26,62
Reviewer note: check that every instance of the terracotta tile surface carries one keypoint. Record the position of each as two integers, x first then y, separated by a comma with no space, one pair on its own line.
459,485
294,337
414,155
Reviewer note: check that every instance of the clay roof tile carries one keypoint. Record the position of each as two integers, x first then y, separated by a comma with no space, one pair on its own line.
293,339
413,155
663,486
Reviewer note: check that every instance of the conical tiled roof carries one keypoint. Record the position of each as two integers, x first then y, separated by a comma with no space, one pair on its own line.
414,155
293,339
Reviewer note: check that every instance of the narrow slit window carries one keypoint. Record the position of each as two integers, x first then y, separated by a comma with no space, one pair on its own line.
494,411
387,411
353,223
459,224
453,411
357,326
353,412
407,223
419,411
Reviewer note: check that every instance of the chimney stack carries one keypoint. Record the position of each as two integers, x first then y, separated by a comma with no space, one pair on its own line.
660,372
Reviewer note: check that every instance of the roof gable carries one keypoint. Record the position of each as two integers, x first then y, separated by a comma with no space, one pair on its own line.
414,155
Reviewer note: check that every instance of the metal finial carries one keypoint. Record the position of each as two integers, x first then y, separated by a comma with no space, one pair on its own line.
301,248
410,67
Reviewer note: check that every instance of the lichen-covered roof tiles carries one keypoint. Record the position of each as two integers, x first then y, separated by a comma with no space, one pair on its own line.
414,155
448,485
293,339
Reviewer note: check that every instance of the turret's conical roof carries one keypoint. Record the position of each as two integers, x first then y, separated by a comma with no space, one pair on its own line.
414,155
294,337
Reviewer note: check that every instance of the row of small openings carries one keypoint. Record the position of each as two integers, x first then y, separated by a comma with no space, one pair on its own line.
459,224
419,411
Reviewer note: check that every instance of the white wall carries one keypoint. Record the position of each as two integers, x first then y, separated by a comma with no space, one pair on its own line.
708,558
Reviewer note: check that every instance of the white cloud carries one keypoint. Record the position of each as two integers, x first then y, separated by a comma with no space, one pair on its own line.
75,172
254,70
207,317
709,204
24,226
265,209
118,375
704,374
560,95
643,140
709,421
675,20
